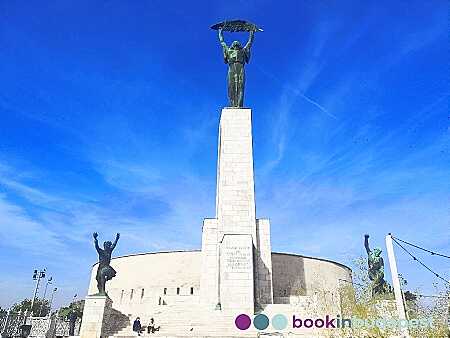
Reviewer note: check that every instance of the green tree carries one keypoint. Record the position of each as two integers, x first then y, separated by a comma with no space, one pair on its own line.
64,312
410,297
41,307
436,307
356,300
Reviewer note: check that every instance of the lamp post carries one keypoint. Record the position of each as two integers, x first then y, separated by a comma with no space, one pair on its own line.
51,300
37,277
73,299
49,281
403,282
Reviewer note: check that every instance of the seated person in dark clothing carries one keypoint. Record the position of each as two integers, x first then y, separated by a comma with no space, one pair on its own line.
137,325
151,326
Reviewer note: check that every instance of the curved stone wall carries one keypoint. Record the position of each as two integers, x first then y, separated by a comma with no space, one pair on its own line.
144,282
319,279
149,282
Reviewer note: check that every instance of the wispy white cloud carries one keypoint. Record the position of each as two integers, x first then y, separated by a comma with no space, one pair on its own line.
143,204
421,37
313,248
32,195
329,219
410,39
133,176
20,231
310,71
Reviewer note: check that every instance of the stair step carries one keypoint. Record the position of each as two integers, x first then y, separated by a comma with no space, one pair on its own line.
176,323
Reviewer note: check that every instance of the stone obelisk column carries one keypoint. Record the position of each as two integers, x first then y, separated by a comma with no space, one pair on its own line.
235,211
235,198
237,265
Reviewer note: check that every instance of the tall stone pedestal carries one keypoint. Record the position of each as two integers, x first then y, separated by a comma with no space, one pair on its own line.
237,265
95,316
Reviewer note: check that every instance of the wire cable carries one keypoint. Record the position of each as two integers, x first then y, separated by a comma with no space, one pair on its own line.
426,267
418,247
430,296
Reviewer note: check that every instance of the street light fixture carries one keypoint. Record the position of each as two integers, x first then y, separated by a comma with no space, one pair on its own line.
403,282
37,275
51,300
49,281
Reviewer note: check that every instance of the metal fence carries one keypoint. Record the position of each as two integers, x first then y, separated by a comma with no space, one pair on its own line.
41,327
61,328
10,324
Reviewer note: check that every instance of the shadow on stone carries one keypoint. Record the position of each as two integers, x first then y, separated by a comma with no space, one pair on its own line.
117,321
288,277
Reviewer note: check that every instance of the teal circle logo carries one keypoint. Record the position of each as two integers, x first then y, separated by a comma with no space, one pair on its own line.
261,322
279,322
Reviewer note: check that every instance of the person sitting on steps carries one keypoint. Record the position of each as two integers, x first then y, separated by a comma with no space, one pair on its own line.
137,326
151,326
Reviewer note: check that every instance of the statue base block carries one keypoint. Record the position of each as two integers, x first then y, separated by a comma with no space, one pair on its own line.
95,316
236,275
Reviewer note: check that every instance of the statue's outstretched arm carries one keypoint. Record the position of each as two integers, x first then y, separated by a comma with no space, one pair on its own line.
221,39
224,46
115,242
96,243
366,244
250,40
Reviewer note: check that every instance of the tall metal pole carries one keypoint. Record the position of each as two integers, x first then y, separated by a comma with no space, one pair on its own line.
403,282
34,296
51,300
49,281
396,284
37,276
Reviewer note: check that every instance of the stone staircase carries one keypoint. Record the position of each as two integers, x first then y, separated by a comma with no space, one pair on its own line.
199,323
191,323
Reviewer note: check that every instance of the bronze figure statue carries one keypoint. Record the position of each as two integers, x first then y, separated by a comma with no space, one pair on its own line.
376,269
105,271
236,57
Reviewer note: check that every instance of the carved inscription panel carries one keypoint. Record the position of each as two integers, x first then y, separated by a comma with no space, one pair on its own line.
237,258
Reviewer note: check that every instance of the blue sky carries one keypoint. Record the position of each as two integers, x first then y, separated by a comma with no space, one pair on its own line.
109,115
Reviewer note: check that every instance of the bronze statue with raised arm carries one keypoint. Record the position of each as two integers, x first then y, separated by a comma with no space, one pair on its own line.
236,57
105,271
376,269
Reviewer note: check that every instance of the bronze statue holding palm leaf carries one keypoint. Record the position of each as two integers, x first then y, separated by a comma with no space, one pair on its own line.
236,57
